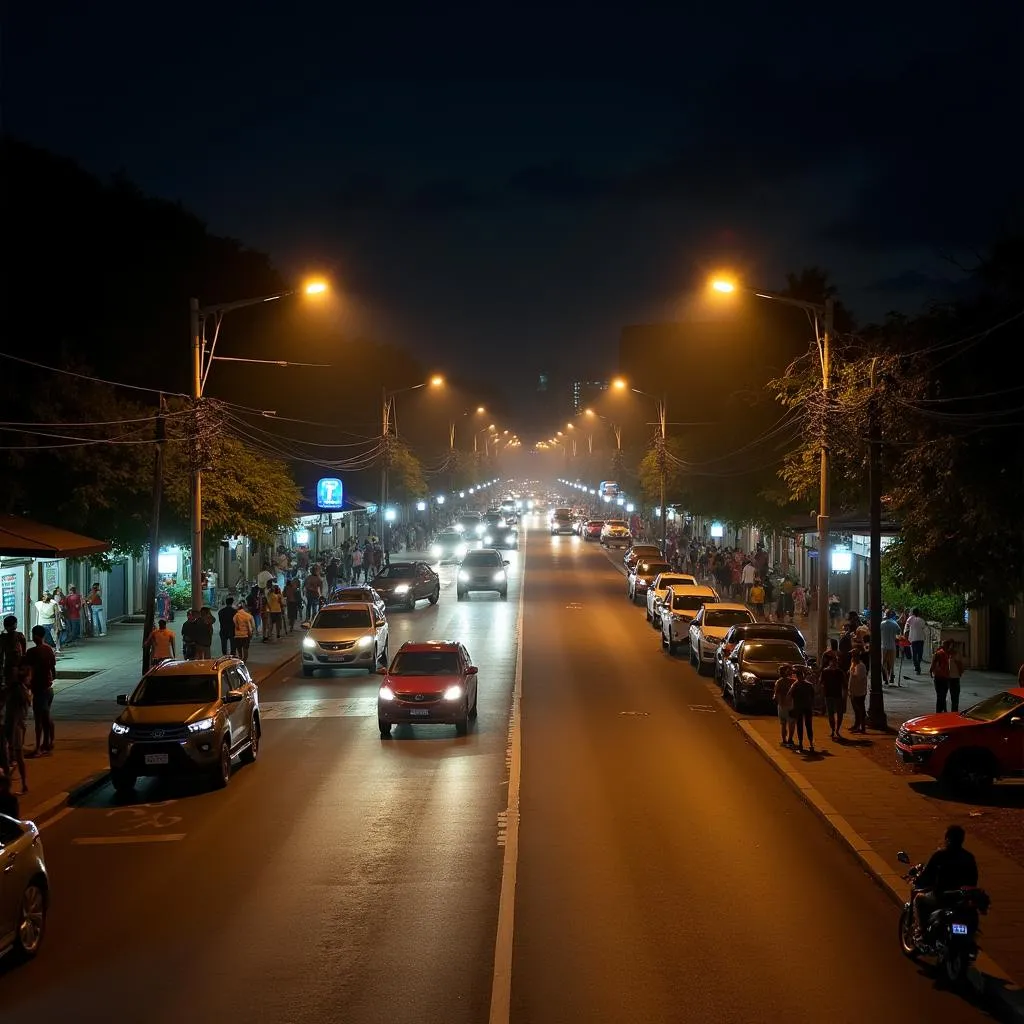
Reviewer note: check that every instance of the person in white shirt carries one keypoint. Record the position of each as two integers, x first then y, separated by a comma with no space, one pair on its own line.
264,577
747,578
46,615
917,633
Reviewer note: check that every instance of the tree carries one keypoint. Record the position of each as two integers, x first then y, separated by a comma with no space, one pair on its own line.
663,457
405,478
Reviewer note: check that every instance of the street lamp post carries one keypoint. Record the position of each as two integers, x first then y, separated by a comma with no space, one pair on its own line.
202,361
824,318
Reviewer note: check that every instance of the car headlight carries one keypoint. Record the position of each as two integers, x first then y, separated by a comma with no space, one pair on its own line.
402,588
463,576
932,739
435,551
386,693
488,539
308,642
118,729
203,725
453,693
510,538
499,577
480,531
364,641
748,679
460,551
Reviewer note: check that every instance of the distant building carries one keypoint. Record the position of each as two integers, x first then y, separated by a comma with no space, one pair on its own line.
585,391
542,381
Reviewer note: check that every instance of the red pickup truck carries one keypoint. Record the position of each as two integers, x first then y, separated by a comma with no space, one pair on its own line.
968,749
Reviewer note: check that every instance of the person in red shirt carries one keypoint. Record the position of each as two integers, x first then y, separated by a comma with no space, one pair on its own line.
40,658
73,610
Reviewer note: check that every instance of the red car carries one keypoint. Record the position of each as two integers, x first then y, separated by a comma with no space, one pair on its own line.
591,529
968,749
428,683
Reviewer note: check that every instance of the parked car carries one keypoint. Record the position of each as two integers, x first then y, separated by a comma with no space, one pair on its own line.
751,670
345,636
186,717
480,571
358,593
708,629
615,533
752,631
427,684
656,592
647,552
968,749
24,889
643,574
681,604
405,583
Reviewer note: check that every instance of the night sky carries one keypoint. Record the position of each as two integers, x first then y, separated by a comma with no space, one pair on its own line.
523,181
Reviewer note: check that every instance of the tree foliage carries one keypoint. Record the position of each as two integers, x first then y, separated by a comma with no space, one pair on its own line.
405,476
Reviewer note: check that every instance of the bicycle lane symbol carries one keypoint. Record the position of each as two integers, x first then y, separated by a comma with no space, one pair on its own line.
146,816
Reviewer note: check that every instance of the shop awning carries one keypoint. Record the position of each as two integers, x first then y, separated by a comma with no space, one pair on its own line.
22,538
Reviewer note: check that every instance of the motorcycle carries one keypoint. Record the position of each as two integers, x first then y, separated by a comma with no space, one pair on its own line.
950,933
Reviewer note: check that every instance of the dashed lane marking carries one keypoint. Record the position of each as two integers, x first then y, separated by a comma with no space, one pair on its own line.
353,707
706,708
163,837
635,714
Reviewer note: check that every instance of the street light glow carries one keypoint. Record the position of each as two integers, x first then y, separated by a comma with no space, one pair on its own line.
619,384
315,287
723,285
480,409
436,381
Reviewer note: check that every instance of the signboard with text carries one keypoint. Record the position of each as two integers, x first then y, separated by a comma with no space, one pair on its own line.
8,583
329,494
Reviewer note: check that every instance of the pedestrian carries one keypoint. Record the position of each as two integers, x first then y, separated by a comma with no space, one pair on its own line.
291,602
945,670
747,578
917,632
43,665
211,588
95,603
73,609
17,700
188,635
203,634
801,693
757,598
245,627
46,616
833,685
333,568
8,801
265,575
160,643
275,606
314,590
60,621
956,671
857,687
226,626
12,650
783,703
357,562
889,631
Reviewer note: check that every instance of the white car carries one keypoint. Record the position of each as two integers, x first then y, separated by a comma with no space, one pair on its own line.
616,532
349,635
708,629
656,593
678,608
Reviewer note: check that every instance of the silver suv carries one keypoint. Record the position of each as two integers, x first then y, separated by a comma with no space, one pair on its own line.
346,635
183,717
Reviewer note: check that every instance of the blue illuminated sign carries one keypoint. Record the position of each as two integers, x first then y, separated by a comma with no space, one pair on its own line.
329,493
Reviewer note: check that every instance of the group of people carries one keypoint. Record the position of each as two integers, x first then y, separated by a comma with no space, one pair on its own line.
67,618
26,684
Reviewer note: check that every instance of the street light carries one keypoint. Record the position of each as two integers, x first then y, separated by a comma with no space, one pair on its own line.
202,361
823,314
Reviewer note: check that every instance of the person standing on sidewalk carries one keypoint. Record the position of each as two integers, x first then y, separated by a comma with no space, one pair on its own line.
917,632
747,577
73,608
95,603
13,647
188,635
203,633
160,643
858,690
314,590
357,562
783,704
833,684
43,664
889,630
245,627
226,626
291,602
801,693
275,606
956,671
46,616
17,700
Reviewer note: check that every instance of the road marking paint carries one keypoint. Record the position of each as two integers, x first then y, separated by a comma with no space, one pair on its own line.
45,807
706,708
57,817
169,837
635,714
508,837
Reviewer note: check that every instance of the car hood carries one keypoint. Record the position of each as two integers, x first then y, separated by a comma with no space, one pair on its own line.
161,714
335,636
388,586
422,684
763,669
715,634
944,722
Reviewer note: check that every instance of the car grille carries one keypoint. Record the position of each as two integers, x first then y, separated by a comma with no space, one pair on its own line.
419,698
341,645
158,733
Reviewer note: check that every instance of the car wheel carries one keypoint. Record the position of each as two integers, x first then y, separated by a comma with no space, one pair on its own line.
124,782
462,725
307,671
376,661
647,615
664,640
738,703
222,773
969,772
385,729
31,921
252,751
434,597
504,594
672,645
459,595
690,653
476,705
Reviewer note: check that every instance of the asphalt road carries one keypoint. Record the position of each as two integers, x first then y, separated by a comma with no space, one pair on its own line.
665,873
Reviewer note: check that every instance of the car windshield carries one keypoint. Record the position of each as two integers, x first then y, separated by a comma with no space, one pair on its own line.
394,571
651,568
494,518
450,537
993,707
342,618
620,523
425,663
726,617
175,689
353,594
688,602
674,581
770,650
485,558
645,551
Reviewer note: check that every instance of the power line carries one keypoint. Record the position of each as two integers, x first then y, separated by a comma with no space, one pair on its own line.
94,380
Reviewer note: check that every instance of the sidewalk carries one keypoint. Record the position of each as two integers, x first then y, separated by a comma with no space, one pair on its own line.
877,814
89,678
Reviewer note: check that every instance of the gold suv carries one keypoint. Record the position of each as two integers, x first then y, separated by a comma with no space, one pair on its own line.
184,717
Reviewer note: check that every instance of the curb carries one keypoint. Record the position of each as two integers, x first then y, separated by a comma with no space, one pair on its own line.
987,978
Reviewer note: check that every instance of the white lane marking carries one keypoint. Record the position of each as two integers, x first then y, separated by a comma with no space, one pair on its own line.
353,707
57,817
508,836
45,807
706,708
164,837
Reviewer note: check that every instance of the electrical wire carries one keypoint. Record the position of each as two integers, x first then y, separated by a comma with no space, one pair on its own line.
94,380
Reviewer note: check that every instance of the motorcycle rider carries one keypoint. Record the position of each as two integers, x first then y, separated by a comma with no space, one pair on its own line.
950,867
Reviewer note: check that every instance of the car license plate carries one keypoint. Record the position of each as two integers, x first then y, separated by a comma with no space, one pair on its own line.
959,929
335,657
418,711
156,759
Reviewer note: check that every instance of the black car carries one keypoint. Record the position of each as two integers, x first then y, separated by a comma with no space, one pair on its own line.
405,583
752,669
482,570
498,535
754,631
451,546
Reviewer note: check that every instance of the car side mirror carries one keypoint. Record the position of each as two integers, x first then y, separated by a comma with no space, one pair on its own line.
382,671
735,659
122,699
505,562
232,697
472,670
1017,722
902,857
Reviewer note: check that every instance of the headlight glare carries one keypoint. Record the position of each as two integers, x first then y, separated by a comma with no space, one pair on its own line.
453,693
118,729
364,641
203,725
308,642
386,693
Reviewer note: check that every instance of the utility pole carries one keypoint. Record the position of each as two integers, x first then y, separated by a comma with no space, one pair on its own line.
876,709
384,458
663,471
197,462
154,528
824,502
